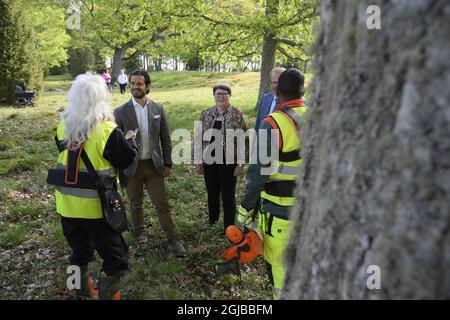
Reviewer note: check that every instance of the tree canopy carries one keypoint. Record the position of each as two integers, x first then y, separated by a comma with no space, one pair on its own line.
204,35
49,24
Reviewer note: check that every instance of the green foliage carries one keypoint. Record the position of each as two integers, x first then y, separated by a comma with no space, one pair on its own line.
30,208
49,25
84,57
131,64
81,60
58,70
5,145
56,233
232,32
127,26
12,236
11,165
18,61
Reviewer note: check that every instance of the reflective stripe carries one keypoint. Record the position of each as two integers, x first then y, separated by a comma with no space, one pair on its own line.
279,189
285,169
106,172
80,193
295,117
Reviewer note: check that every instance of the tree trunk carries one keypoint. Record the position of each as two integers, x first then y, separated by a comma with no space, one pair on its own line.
117,63
269,48
375,184
158,65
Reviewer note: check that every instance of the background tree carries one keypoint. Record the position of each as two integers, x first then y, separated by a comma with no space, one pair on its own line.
375,183
48,22
17,56
128,27
82,60
274,30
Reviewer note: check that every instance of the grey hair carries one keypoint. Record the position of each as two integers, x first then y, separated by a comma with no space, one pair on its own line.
276,69
88,105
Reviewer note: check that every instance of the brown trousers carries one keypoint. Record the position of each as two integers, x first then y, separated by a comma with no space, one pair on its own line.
147,175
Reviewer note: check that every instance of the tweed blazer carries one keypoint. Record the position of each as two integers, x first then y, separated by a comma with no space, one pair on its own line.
158,130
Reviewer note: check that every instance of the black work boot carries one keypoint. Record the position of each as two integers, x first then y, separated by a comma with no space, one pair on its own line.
109,288
87,289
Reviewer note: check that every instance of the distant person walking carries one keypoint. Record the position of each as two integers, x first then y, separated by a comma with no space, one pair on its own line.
107,77
123,81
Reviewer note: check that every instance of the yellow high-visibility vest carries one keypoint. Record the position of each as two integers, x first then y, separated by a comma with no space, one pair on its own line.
280,185
85,203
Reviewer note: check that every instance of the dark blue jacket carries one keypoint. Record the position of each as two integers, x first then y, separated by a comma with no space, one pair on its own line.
264,108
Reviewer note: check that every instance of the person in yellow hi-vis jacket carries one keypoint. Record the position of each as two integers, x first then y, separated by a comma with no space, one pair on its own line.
270,185
88,125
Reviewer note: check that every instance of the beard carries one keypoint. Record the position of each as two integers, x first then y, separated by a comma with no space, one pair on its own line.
139,94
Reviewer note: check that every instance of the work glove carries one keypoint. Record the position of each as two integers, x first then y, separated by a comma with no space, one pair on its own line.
244,217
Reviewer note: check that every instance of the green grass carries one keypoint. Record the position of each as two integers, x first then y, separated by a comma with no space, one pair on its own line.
30,230
60,81
12,236
29,209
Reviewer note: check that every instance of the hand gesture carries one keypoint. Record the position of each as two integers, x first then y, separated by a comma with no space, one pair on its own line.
131,134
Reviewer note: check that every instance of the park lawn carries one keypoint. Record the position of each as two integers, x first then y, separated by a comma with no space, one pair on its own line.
33,250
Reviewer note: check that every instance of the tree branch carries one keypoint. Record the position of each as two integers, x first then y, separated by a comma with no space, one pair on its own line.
287,55
291,43
131,56
91,12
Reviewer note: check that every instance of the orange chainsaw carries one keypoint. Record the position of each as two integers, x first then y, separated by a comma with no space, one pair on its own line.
248,247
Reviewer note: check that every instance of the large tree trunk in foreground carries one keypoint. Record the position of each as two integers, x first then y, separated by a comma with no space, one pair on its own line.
375,186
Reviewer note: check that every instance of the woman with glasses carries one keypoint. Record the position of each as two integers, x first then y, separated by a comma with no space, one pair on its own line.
224,153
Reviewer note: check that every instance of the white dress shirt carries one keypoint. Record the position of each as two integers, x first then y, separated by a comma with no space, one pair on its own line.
142,119
122,79
274,103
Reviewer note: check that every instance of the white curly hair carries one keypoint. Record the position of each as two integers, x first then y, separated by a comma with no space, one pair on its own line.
87,107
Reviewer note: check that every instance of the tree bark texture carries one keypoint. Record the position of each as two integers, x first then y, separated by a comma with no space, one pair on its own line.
269,50
117,64
374,188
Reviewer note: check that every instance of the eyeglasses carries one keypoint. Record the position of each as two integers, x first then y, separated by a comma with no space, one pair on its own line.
221,94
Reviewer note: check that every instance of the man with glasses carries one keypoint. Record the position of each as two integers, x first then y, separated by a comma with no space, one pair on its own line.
269,100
